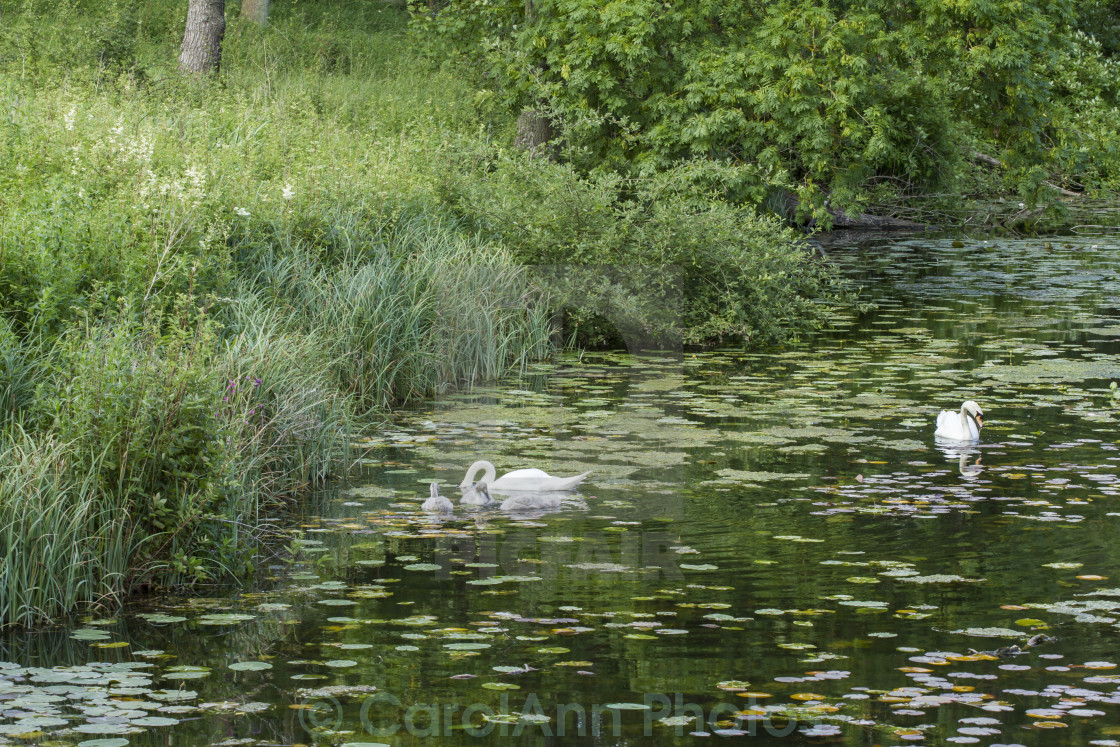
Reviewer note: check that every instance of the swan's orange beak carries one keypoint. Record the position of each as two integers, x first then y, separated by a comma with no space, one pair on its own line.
980,420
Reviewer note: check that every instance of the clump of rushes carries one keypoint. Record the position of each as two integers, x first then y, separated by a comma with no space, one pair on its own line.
64,541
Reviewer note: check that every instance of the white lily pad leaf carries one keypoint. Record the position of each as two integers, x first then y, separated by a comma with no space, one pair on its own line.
990,632
250,666
627,706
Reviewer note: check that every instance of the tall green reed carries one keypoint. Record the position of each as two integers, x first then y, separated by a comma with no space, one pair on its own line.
407,308
64,541
19,368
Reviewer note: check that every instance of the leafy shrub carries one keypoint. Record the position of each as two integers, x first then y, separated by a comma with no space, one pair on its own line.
136,400
1087,145
821,100
658,258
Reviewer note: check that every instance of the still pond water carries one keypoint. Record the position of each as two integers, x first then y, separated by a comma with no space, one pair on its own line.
771,547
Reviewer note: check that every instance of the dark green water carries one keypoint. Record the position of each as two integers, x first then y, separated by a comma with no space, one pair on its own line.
769,545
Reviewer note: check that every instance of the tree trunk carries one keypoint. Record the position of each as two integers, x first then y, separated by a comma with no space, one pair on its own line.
534,130
201,52
255,11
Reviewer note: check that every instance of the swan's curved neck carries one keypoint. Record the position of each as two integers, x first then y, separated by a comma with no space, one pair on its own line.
966,416
487,476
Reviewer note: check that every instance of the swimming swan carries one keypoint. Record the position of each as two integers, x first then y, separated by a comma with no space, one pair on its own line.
962,426
531,502
520,479
479,495
437,504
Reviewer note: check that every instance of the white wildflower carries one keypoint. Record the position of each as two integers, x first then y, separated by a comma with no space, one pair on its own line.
241,211
289,192
197,178
68,118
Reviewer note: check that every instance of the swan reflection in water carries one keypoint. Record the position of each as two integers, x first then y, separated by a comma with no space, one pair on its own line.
521,504
535,505
967,457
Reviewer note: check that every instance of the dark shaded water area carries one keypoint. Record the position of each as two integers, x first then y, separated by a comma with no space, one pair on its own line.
771,547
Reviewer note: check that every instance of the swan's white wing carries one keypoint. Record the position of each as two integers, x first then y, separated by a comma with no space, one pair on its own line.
532,473
948,424
569,483
531,502
535,480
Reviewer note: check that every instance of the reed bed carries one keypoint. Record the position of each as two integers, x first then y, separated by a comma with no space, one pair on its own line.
159,441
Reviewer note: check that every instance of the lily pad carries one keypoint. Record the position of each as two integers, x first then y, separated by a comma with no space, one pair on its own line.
990,632
250,666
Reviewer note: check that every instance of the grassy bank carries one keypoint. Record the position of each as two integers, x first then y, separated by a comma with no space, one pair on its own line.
206,287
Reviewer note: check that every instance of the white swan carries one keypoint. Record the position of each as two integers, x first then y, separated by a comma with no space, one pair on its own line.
962,426
531,502
520,479
479,495
437,504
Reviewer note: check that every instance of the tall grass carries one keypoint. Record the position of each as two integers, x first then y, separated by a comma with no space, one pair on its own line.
174,433
18,375
407,309
64,542
287,422
182,428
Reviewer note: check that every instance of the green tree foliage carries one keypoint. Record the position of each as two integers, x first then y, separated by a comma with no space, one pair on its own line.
821,98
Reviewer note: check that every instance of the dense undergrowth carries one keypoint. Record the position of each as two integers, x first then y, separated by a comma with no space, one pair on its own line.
206,286
809,106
